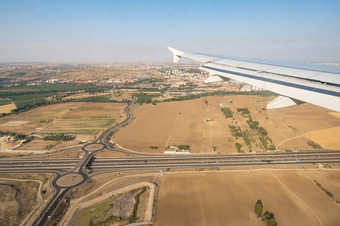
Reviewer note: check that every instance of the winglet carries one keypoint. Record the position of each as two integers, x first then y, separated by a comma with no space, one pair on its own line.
177,54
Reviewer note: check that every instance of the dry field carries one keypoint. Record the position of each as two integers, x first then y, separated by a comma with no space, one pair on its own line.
327,138
7,108
114,210
64,118
84,119
193,122
17,200
228,198
201,124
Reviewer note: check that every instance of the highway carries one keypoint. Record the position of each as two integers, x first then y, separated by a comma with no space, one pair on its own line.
166,162
143,161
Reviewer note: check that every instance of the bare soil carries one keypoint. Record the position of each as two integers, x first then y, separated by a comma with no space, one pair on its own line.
327,138
193,122
201,124
17,200
228,198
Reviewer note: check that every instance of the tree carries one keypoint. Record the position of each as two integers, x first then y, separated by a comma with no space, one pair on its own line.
258,208
269,218
271,222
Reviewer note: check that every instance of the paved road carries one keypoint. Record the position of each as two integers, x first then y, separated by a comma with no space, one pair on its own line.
143,161
76,165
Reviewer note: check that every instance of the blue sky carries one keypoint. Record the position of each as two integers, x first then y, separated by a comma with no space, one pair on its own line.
140,30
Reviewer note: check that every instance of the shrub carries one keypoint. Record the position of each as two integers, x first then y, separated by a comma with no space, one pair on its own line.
184,147
238,147
258,208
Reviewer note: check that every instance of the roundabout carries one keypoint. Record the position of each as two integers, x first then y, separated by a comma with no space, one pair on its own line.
70,179
94,147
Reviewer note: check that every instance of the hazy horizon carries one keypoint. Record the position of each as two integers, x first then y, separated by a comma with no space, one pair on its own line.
140,31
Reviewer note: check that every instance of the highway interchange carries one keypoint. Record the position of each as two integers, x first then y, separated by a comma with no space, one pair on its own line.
141,161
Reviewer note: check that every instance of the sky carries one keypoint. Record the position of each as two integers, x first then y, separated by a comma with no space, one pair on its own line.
117,31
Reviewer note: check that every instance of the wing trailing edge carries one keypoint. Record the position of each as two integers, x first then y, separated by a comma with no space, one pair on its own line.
315,84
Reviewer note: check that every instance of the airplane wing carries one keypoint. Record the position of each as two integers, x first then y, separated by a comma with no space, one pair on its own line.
296,82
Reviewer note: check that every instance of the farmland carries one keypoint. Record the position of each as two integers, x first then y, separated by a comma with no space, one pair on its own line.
4,102
201,124
71,118
228,198
7,108
31,95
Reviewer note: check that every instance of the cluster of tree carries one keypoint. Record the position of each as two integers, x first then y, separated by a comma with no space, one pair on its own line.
133,218
145,98
227,112
16,136
184,147
194,70
154,147
244,111
238,147
101,99
330,194
267,216
59,136
235,131
263,134
4,101
48,89
219,93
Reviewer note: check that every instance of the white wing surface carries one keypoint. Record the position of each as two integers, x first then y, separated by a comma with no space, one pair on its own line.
311,83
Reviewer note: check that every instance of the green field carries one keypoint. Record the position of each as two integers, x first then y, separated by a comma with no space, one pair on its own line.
28,99
145,98
47,88
23,96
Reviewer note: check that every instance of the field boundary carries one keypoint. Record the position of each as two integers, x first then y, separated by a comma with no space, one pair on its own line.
149,211
297,197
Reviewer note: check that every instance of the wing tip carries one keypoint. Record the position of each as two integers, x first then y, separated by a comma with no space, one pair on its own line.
176,54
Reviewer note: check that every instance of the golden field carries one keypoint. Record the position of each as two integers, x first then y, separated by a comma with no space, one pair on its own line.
201,124
228,198
7,108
